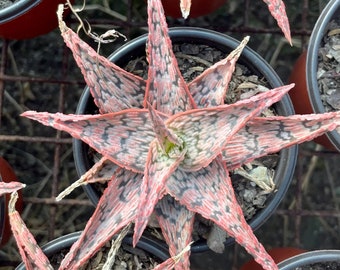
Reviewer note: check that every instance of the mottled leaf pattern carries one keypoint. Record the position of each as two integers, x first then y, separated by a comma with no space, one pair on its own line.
166,89
176,222
217,202
30,252
10,187
159,167
278,10
210,88
206,131
113,88
122,137
266,135
116,208
168,93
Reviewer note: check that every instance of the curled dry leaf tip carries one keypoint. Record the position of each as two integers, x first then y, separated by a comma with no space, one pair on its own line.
60,11
12,202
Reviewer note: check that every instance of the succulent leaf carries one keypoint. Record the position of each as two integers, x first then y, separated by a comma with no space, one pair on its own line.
278,10
176,222
30,252
10,187
113,88
210,87
116,208
159,166
266,135
216,201
166,89
122,137
206,131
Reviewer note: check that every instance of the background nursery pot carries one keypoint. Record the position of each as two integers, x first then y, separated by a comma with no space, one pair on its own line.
7,175
147,244
136,48
28,18
312,257
278,255
306,95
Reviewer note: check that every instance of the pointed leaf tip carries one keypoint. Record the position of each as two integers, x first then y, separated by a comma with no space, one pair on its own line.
163,72
10,187
278,11
210,87
185,6
30,252
116,136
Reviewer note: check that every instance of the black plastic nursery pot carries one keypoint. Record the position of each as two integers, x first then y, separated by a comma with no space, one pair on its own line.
311,257
306,95
331,11
29,18
136,48
148,244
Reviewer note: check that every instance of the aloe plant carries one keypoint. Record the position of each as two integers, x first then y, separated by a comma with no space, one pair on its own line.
170,146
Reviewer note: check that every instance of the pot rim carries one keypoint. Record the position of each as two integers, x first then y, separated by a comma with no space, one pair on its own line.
147,243
17,9
254,61
310,257
318,33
